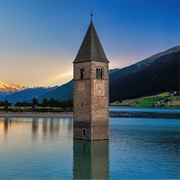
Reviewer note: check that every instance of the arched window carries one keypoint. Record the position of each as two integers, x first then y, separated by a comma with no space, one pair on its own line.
83,132
99,73
82,73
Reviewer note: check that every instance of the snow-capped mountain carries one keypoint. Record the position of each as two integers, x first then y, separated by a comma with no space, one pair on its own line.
4,87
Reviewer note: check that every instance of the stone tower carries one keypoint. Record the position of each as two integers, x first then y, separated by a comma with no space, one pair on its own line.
91,89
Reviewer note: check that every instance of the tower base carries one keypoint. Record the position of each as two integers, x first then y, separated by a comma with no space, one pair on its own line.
91,131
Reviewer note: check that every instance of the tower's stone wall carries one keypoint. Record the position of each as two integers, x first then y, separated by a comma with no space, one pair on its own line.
100,103
82,101
91,108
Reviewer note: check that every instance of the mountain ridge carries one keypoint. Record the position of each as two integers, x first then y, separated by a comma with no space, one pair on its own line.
160,76
27,94
141,64
128,78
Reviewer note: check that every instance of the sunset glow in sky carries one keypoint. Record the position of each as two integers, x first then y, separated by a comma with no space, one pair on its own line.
39,39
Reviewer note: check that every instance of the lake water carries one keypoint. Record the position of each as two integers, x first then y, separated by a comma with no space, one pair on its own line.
138,109
43,148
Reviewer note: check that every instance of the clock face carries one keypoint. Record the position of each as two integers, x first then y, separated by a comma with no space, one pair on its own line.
99,88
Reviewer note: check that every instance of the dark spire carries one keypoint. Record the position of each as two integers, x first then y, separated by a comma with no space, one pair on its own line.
91,48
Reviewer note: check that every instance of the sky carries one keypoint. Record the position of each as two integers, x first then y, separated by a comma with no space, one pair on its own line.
39,39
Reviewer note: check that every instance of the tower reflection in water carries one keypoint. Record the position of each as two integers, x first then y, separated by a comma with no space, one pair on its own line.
91,159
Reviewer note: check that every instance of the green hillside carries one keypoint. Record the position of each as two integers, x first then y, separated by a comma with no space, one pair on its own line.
160,100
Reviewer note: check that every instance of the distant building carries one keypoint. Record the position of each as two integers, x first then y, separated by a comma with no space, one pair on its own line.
91,89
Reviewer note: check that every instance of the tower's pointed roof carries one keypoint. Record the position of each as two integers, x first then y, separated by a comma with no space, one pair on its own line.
91,48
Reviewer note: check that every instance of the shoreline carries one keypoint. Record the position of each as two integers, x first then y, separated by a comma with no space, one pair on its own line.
4,114
35,114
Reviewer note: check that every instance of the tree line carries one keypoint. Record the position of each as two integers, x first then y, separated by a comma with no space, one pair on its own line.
65,104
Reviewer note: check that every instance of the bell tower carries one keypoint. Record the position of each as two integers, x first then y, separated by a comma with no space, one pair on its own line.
91,89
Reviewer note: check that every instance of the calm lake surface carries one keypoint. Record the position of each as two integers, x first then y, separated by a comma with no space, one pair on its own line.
43,148
137,109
